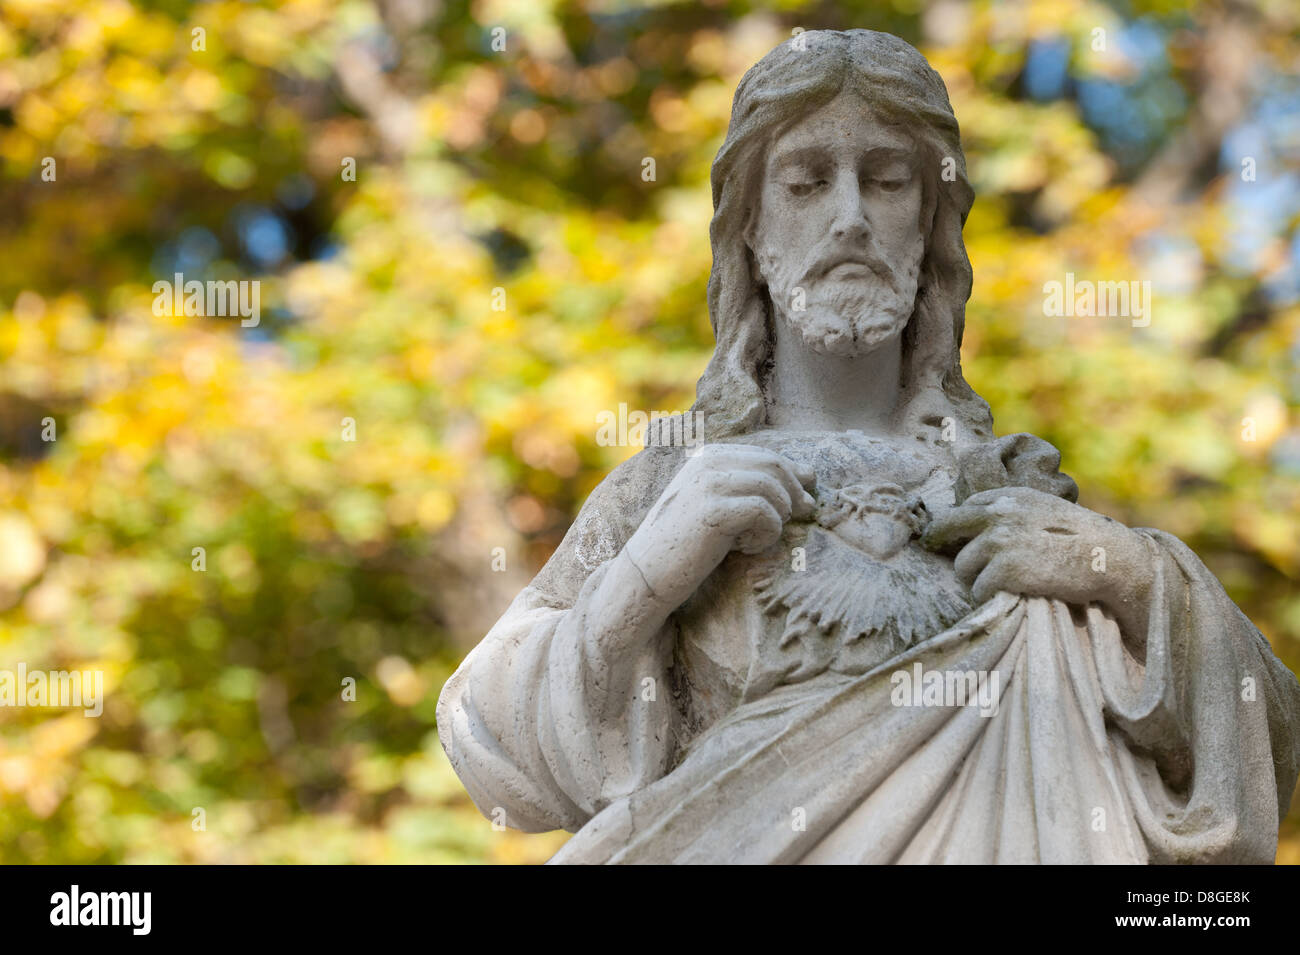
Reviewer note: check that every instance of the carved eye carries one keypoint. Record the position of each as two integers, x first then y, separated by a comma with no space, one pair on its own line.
804,188
887,185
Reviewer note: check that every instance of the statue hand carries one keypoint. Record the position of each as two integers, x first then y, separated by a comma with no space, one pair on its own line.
725,497
1029,542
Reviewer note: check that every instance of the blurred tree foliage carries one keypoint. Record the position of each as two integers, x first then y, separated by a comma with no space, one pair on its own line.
1147,140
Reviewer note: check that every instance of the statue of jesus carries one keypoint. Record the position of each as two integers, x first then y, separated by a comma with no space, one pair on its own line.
853,625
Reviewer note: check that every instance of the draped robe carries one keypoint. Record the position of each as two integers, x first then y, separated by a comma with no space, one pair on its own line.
714,743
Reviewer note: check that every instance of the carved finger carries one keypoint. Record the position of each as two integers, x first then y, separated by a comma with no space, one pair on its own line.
804,474
1016,495
760,484
998,574
795,477
974,557
953,527
758,525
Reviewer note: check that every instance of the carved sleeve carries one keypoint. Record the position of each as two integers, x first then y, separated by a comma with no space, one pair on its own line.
541,720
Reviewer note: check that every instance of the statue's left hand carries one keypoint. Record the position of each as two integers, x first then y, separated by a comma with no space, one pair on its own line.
1026,541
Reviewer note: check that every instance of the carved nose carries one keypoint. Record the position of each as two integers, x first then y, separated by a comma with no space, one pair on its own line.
850,223
850,230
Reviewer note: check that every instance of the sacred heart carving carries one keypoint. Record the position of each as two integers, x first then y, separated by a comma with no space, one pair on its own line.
862,577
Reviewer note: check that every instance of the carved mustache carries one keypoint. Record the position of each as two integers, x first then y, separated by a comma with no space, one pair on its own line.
836,257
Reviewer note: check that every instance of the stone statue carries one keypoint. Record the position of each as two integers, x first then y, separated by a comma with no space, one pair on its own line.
852,625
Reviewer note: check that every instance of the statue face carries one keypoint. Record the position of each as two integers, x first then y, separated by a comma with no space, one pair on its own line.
837,238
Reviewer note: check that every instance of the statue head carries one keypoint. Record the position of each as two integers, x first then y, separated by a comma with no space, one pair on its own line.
839,197
839,231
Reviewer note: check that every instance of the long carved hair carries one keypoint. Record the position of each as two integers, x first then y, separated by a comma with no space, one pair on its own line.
788,84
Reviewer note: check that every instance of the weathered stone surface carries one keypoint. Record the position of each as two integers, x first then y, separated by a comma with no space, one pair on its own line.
854,626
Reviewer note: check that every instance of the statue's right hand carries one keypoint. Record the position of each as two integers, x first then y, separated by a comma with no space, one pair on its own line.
725,497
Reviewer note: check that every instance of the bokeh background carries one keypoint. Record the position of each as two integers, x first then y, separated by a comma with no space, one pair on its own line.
1151,140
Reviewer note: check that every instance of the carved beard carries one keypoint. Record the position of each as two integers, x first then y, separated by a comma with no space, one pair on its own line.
845,317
